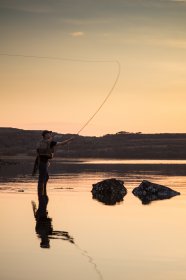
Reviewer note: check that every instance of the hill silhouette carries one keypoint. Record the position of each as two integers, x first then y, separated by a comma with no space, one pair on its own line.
122,145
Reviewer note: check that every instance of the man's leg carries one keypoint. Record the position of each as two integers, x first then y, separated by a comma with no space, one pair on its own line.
43,178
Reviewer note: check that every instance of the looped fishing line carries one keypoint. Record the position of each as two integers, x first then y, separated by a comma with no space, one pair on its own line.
104,101
78,60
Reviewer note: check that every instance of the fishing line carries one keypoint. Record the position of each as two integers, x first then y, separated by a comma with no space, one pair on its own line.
106,98
91,261
78,60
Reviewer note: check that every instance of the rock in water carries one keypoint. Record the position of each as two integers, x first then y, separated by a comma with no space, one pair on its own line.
148,192
109,191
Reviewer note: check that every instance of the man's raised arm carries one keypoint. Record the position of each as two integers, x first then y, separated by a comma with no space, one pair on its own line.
64,142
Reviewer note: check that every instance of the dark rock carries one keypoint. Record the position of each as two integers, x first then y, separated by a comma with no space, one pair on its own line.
109,191
148,192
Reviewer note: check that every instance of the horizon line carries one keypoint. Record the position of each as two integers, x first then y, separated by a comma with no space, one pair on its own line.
117,133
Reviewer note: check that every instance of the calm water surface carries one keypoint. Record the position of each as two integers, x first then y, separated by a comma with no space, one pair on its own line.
127,241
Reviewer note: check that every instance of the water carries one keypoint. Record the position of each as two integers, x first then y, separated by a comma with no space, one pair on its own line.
126,241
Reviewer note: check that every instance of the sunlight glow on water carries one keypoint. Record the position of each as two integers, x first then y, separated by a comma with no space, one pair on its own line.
135,161
123,161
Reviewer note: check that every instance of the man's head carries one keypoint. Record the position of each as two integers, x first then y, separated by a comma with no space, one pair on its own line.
47,134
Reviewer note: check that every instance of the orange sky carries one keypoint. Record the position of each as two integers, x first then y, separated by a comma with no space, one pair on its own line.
147,37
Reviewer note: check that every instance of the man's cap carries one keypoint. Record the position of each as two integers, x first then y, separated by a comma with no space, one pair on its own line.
45,132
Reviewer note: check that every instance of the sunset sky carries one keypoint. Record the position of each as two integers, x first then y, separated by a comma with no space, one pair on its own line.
147,37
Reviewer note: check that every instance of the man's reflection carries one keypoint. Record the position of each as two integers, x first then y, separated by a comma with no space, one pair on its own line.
44,228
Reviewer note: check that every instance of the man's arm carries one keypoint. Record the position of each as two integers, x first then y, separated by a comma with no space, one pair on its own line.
64,142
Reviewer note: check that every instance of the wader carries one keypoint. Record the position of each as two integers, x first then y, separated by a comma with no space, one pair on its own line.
43,178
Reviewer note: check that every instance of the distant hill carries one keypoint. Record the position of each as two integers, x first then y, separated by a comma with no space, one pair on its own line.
121,145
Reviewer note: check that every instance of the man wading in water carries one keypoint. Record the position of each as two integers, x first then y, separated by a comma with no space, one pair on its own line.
45,152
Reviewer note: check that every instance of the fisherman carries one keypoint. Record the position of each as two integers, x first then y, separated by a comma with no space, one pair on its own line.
45,152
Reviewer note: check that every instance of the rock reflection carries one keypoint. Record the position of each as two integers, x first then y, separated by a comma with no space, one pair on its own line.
108,199
44,228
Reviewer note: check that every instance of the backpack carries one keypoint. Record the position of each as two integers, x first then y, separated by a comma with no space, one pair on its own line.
44,149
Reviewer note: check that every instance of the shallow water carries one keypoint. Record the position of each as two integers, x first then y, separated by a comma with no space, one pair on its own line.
127,241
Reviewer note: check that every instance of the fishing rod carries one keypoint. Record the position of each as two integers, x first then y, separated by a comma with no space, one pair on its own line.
78,60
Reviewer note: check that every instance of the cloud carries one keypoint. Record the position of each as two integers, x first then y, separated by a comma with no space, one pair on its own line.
77,34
